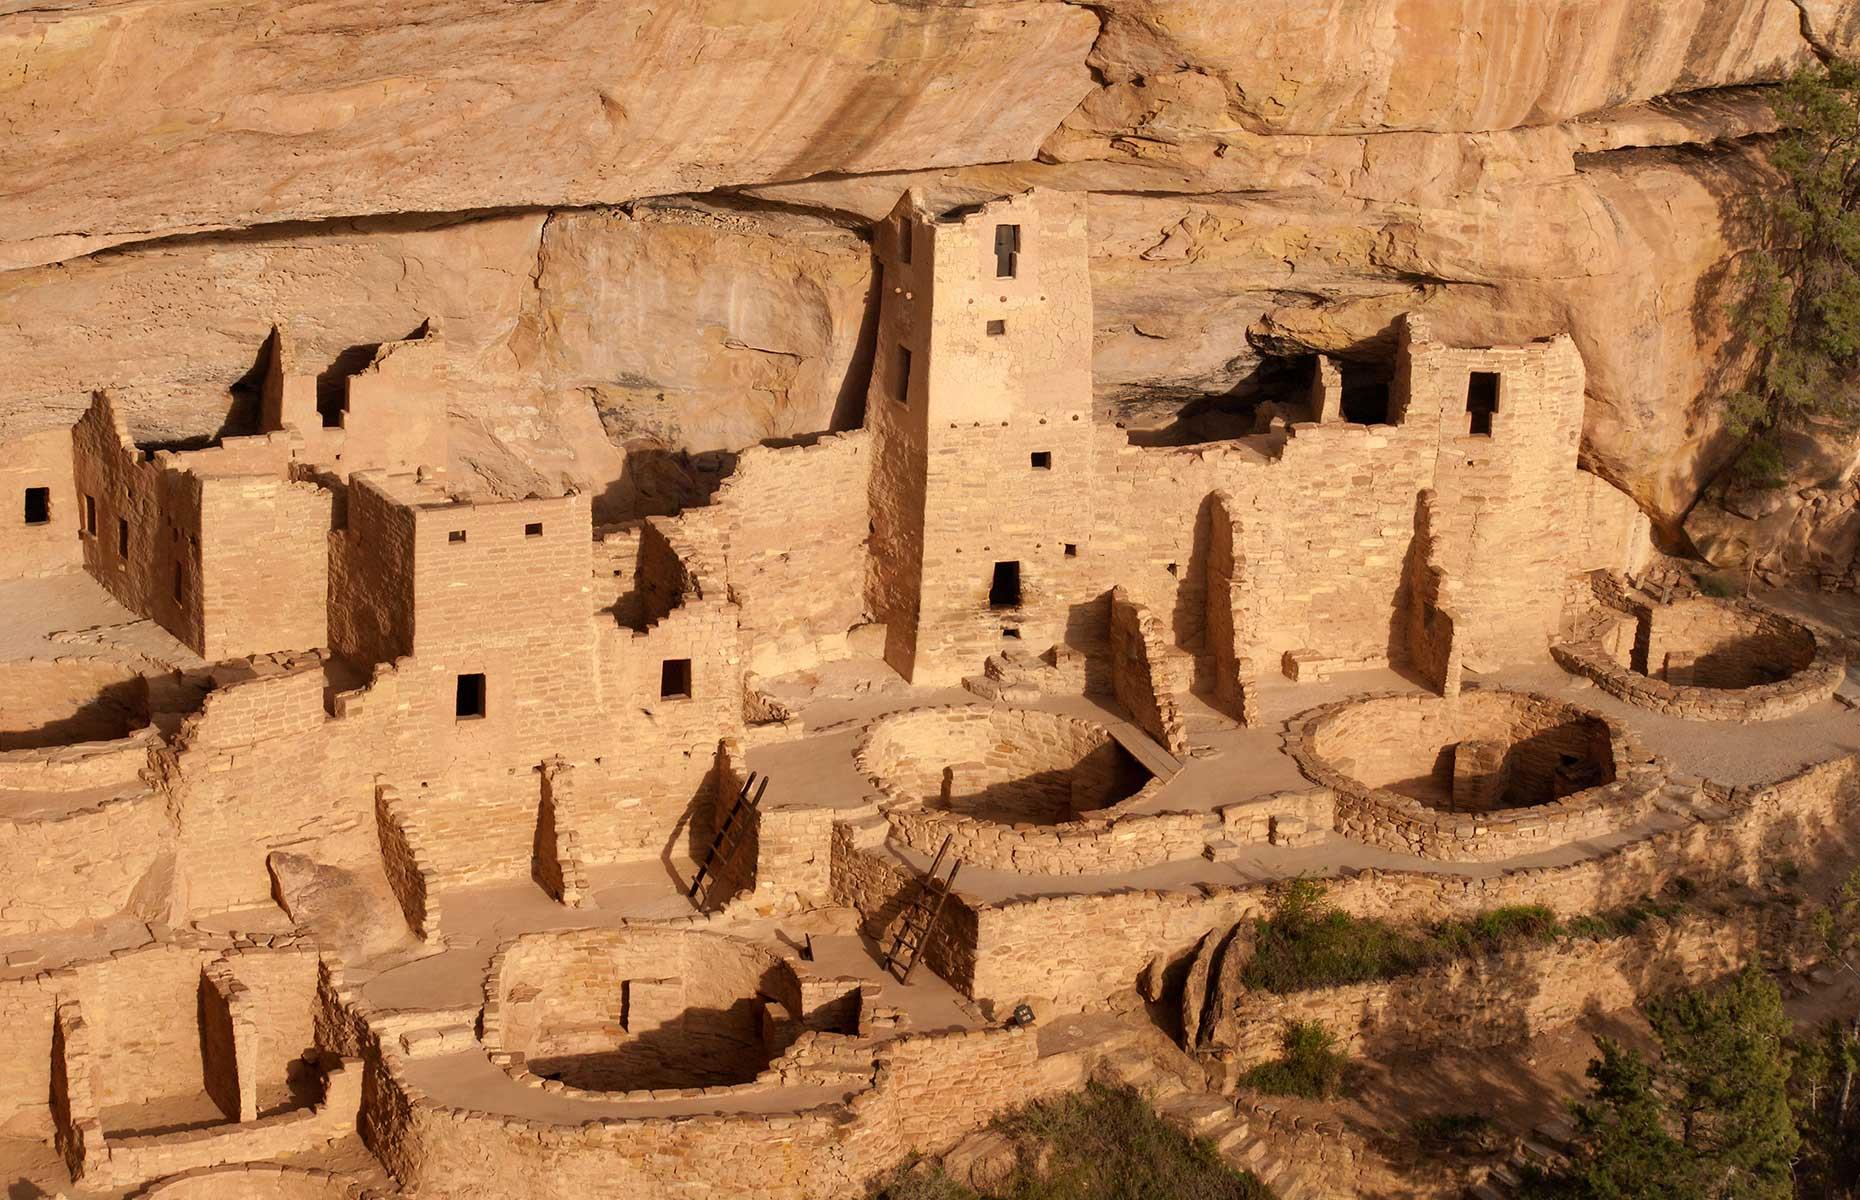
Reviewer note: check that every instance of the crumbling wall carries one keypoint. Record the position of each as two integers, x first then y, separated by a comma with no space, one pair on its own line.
796,518
1141,686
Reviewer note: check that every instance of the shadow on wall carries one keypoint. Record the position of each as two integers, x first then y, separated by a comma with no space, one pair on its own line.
699,1047
849,403
118,710
658,481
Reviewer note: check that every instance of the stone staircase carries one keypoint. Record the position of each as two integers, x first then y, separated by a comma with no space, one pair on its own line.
1175,1091
1546,1149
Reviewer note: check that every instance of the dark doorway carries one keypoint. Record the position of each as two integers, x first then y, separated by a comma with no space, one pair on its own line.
38,506
1365,398
1482,401
1004,589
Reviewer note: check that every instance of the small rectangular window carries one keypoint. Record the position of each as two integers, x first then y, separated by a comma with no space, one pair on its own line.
1004,587
1010,631
122,538
675,679
1481,401
997,328
904,375
468,697
38,506
456,537
1072,550
90,515
1007,251
533,529
1042,460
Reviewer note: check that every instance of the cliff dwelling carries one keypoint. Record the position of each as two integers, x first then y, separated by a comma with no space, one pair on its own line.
402,796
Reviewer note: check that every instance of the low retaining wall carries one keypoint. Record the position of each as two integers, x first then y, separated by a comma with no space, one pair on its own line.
132,1160
1006,953
1493,1000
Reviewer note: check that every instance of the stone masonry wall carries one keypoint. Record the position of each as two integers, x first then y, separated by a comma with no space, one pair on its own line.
1492,1000
1110,939
50,545
1138,679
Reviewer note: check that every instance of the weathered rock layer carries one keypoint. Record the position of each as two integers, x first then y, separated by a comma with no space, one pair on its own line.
1266,180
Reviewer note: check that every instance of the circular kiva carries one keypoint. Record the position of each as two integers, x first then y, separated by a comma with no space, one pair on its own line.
67,701
638,1009
1707,660
1482,776
1022,790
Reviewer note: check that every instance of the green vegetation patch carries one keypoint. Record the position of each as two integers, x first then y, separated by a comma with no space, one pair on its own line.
1306,943
1309,1065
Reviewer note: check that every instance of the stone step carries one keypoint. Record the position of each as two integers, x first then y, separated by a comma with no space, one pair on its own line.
1221,850
435,1041
1558,1131
1230,1137
1536,1152
1195,1112
1248,1152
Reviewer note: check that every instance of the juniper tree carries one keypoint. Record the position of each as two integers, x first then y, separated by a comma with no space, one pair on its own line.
1801,308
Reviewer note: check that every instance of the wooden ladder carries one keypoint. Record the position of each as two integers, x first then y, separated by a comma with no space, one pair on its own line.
920,915
729,834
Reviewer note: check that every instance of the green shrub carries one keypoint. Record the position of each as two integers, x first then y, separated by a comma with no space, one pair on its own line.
1309,1064
1308,944
1498,928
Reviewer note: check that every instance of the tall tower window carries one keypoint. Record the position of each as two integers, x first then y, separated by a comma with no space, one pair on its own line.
906,235
468,697
1007,251
1482,401
903,390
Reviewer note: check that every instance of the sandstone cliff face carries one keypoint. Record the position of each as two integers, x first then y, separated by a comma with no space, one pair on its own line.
640,226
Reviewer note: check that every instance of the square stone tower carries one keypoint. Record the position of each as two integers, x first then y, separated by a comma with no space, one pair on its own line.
980,411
